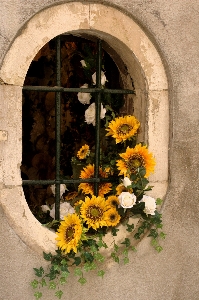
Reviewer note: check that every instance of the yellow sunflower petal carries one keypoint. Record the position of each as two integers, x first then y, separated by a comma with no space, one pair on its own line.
134,158
92,212
123,128
112,217
83,152
112,201
69,233
88,188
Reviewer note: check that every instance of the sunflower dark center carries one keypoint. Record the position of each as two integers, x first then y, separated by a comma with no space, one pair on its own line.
94,212
112,217
124,129
114,202
134,162
69,234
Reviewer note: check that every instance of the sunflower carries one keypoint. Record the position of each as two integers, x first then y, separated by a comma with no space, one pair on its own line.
112,217
83,152
112,201
123,128
134,158
88,188
69,233
92,212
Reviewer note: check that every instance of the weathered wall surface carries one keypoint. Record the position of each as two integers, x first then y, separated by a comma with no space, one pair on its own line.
172,274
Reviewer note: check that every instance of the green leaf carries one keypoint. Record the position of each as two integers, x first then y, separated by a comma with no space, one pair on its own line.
64,262
62,280
158,249
34,284
116,248
154,242
101,273
133,249
56,267
158,201
64,268
114,231
82,280
126,242
125,252
115,257
126,260
47,256
99,257
94,249
58,294
65,274
78,272
130,227
88,256
38,295
77,261
52,285
39,272
43,282
153,233
162,235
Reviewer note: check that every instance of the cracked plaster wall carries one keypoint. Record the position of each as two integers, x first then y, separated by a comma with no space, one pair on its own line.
172,274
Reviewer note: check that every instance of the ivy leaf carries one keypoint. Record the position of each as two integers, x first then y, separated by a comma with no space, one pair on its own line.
153,233
77,261
47,256
158,201
65,274
62,280
116,247
162,235
52,285
130,227
59,294
99,257
126,260
88,256
158,249
133,249
38,295
82,280
34,284
114,231
78,272
126,242
39,272
64,262
101,273
43,282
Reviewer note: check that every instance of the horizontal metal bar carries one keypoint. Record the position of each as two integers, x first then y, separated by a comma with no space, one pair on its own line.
63,181
75,90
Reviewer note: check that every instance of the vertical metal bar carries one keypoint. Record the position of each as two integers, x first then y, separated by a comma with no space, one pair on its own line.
57,128
97,114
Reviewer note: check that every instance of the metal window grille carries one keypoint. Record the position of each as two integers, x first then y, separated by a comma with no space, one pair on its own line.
58,89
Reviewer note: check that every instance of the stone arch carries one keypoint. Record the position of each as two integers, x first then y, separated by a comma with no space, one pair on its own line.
145,66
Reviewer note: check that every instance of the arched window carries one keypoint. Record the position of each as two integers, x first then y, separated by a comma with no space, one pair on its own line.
54,124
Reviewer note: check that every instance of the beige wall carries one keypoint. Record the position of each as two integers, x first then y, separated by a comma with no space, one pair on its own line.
172,274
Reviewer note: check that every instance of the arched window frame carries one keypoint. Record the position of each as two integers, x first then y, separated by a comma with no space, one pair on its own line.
138,53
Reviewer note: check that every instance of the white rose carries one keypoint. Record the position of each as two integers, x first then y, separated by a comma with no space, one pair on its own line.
103,78
62,189
90,114
126,181
45,208
150,205
65,209
84,98
127,200
83,63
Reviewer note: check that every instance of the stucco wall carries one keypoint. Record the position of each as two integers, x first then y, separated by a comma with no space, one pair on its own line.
173,274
